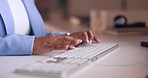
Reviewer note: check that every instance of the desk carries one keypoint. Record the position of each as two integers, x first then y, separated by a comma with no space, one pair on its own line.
130,60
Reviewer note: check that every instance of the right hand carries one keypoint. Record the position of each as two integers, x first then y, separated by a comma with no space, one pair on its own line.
52,42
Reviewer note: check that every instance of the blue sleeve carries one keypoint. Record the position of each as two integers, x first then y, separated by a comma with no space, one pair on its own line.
16,45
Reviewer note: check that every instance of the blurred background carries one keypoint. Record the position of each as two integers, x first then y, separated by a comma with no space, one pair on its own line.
95,15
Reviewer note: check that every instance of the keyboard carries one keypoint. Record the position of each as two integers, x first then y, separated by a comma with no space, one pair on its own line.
68,62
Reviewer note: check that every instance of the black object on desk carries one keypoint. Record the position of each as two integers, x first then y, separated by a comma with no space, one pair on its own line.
121,21
144,44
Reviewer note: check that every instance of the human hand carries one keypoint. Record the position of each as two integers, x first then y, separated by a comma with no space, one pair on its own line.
52,42
86,36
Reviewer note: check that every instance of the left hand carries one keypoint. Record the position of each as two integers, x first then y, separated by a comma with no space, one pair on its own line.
86,36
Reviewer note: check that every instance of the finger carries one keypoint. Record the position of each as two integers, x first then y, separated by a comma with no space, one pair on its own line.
71,47
85,37
77,42
96,39
90,36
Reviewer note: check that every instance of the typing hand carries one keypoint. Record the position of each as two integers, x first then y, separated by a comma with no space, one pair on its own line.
52,42
86,36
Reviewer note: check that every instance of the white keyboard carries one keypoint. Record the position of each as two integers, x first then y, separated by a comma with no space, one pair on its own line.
64,64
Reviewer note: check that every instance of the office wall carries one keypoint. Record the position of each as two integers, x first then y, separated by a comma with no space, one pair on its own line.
137,4
83,7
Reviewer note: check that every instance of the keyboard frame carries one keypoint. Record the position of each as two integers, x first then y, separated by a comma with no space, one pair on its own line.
68,73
